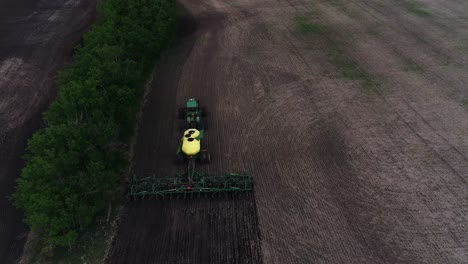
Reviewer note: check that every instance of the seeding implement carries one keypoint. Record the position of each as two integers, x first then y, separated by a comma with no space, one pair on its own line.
190,182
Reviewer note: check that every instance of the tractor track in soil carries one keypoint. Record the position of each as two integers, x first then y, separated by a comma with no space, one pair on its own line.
345,171
37,38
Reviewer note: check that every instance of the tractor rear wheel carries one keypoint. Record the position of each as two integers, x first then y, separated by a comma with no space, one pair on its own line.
203,111
183,126
181,113
200,126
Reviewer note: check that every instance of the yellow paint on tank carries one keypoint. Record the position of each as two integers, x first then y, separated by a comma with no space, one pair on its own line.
190,143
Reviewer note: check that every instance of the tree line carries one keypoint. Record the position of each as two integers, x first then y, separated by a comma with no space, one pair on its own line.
73,165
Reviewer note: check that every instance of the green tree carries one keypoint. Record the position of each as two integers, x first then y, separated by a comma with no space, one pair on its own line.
71,169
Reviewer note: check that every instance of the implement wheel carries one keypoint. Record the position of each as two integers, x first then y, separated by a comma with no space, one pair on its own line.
206,157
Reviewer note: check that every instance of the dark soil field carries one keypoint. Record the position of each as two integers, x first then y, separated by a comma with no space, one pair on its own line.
37,38
351,115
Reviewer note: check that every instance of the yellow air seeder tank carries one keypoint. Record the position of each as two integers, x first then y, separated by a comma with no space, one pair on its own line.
191,142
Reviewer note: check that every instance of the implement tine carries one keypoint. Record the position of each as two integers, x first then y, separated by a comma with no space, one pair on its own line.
188,184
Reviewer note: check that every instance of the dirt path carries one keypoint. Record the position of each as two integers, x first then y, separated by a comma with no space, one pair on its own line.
37,38
351,115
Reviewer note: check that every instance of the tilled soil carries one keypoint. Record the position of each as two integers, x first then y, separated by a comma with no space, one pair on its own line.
37,38
351,116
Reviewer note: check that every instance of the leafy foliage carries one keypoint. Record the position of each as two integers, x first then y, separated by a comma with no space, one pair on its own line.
72,169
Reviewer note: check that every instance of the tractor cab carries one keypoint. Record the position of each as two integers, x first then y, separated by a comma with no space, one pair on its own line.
192,104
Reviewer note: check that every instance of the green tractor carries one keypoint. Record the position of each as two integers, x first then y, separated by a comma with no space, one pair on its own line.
192,114
190,182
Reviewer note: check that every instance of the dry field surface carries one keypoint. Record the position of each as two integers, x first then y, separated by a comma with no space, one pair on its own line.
36,38
351,115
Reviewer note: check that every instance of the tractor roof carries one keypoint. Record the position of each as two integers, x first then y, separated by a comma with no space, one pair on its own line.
192,103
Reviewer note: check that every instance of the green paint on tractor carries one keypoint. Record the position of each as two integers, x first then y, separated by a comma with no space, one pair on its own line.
192,114
192,103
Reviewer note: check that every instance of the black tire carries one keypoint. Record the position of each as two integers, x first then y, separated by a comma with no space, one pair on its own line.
183,126
205,157
199,126
181,113
203,111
